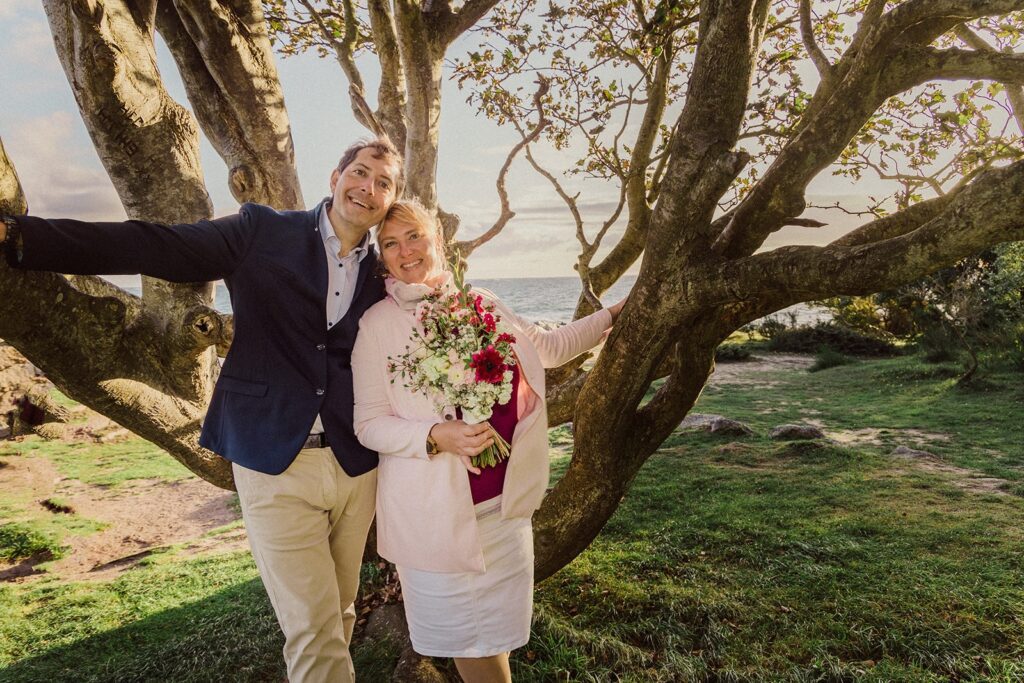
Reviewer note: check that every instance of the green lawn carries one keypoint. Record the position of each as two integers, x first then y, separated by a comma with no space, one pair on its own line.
743,561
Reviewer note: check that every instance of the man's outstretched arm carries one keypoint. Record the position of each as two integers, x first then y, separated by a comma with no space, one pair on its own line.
206,250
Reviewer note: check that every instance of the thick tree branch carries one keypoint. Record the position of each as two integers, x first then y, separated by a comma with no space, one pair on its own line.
988,211
915,65
235,94
896,224
391,91
881,67
922,21
455,24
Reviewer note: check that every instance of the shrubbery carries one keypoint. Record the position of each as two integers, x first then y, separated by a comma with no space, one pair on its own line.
832,336
20,542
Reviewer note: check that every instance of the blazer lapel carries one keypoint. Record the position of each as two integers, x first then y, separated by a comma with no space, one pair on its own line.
366,266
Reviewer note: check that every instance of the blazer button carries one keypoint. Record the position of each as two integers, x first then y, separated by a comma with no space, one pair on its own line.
321,347
320,391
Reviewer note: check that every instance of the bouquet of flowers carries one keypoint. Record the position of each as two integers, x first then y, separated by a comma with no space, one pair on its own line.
460,355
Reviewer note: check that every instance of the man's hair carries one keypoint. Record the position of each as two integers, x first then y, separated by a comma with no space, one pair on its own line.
382,147
412,211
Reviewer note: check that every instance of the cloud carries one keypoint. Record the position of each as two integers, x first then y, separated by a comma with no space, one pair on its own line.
12,9
28,48
60,177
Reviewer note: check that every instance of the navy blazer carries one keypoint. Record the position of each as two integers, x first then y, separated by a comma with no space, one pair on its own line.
284,366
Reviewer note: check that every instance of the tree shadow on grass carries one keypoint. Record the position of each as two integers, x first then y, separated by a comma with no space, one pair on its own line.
231,635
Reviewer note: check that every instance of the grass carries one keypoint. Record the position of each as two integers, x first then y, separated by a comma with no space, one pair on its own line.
754,561
21,541
110,464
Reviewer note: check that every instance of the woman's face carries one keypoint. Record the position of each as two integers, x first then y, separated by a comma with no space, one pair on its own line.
409,251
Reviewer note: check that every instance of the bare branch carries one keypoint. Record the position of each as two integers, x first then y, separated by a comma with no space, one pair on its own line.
344,48
818,57
465,248
363,111
805,223
570,201
1014,92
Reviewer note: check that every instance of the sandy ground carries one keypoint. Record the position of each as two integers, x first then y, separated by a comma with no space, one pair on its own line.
140,517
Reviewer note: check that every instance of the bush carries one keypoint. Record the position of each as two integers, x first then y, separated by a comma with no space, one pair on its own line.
20,542
829,358
835,337
731,353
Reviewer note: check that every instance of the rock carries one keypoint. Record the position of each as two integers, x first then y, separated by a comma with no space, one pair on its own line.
910,453
734,448
715,424
726,427
5,432
387,621
791,432
51,431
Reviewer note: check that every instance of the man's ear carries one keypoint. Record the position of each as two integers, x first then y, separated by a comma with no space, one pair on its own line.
335,174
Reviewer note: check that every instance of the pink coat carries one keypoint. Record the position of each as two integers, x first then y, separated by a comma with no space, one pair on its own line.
425,517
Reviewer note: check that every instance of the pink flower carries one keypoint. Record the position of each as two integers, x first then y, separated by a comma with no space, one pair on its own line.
489,365
478,304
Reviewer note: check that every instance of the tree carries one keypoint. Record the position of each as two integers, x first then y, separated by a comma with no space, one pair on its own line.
703,77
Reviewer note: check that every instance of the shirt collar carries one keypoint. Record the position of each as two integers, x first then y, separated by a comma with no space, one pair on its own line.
330,238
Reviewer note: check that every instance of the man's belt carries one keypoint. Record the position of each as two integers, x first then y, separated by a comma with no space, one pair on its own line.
316,441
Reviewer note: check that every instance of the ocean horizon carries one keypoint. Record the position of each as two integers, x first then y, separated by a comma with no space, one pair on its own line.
539,299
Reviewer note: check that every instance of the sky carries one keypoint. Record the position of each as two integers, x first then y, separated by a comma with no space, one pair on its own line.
62,175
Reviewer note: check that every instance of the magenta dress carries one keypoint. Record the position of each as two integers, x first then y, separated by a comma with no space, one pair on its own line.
504,418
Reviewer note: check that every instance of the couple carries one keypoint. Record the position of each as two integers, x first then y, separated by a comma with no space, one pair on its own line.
304,405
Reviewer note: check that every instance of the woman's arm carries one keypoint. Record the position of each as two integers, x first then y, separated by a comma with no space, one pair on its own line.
376,425
564,343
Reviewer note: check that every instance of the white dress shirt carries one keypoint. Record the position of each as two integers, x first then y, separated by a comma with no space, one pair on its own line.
342,276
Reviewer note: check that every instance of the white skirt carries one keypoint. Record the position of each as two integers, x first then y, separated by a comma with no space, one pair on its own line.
475,615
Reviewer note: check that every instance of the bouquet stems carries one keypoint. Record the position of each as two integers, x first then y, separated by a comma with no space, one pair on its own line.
493,454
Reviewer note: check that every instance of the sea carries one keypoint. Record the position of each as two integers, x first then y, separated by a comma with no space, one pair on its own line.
541,299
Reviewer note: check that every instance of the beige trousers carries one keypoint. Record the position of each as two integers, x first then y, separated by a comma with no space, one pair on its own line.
307,527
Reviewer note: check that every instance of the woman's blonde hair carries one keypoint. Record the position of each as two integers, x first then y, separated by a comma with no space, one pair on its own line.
413,212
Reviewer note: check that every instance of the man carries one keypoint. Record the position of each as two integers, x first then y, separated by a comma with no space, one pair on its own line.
281,411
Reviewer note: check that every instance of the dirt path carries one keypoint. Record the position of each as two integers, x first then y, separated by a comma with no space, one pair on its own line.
140,517
750,372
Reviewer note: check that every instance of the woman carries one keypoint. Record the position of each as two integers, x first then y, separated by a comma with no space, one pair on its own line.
460,537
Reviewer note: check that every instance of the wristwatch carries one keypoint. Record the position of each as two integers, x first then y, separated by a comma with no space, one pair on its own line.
432,448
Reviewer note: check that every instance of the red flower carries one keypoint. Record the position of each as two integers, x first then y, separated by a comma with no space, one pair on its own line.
507,338
478,304
489,324
488,365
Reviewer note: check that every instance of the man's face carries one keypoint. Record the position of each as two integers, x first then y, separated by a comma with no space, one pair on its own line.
364,190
